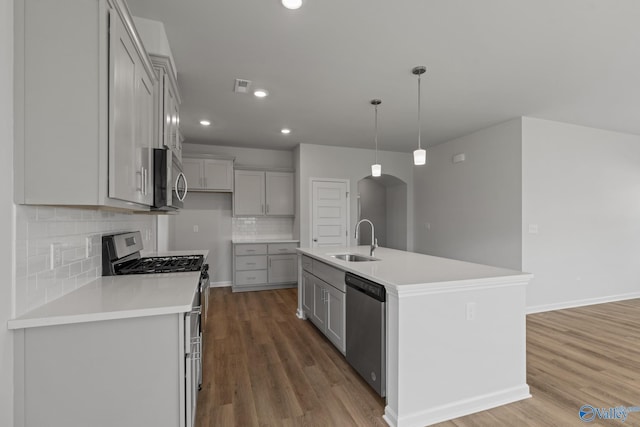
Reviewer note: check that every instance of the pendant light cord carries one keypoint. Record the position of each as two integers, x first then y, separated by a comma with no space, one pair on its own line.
419,115
376,135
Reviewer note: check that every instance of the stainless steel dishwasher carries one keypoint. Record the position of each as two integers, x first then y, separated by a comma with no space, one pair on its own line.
366,331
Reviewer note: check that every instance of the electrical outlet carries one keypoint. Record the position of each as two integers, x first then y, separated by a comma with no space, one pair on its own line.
427,225
471,311
195,229
55,255
88,247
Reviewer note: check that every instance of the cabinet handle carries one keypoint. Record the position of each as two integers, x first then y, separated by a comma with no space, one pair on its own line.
262,208
205,182
251,278
267,207
141,187
251,263
145,184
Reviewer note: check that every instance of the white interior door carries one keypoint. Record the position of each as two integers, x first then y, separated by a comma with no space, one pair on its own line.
329,213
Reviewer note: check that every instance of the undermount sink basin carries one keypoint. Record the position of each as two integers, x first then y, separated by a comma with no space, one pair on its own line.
354,257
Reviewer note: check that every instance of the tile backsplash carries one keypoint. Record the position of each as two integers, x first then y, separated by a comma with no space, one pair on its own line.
247,228
75,235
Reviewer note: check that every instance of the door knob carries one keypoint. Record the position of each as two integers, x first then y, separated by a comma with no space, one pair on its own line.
315,240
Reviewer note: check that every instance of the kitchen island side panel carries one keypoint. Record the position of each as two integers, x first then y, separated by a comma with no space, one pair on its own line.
456,353
108,373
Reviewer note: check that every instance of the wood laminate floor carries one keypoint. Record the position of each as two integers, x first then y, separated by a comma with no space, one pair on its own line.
264,367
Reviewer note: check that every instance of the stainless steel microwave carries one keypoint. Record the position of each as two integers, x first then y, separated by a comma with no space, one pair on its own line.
169,183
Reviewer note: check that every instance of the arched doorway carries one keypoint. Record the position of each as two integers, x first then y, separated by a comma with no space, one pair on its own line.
383,200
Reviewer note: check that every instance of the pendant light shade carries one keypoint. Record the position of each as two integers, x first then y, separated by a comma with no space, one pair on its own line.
376,168
419,155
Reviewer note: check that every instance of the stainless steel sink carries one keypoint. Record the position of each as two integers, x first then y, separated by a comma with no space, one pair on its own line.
354,257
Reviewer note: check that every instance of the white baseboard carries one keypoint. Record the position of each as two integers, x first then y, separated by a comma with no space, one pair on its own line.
219,284
457,409
580,303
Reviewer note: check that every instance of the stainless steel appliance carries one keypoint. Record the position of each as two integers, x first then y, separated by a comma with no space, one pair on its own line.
366,330
121,255
170,186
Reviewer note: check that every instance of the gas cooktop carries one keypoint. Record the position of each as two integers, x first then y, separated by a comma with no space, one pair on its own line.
163,264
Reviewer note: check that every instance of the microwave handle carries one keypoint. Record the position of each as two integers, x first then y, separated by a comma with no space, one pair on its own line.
186,186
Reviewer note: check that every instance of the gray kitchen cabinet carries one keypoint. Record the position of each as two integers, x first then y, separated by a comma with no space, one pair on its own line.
166,106
212,175
248,199
137,371
259,193
323,300
260,266
282,268
95,150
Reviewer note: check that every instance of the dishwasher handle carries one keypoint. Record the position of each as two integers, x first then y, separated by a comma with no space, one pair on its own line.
366,286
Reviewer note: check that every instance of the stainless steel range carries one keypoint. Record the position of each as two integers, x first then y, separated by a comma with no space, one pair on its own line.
121,255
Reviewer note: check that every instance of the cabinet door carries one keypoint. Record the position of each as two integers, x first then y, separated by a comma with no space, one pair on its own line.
319,309
279,193
125,180
144,134
335,317
307,293
218,174
193,171
248,197
283,268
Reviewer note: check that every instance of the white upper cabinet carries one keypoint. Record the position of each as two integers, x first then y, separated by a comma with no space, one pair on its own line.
248,199
279,193
263,193
84,127
215,175
130,118
167,108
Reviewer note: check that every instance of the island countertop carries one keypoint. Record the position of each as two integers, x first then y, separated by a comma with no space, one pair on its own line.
119,297
405,272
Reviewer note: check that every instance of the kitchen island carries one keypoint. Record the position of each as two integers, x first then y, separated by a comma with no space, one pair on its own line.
455,332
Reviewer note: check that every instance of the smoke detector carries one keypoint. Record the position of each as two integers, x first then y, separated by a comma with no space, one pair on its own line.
241,86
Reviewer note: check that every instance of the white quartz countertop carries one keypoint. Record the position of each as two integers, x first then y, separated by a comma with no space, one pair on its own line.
406,272
119,297
245,241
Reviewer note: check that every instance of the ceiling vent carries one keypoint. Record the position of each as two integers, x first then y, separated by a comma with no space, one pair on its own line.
241,86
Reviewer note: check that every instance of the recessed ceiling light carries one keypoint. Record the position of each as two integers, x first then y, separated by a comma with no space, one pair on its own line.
260,93
292,4
286,131
205,122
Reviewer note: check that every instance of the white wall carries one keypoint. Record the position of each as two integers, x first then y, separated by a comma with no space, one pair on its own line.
396,216
373,206
6,211
581,187
318,161
473,208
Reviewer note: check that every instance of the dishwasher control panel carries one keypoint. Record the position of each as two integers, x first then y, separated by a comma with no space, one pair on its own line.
368,287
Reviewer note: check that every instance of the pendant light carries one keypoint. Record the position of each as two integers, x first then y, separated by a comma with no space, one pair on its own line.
376,169
419,155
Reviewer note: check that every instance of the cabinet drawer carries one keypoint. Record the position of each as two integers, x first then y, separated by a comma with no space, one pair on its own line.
251,277
282,248
251,249
307,263
258,262
329,274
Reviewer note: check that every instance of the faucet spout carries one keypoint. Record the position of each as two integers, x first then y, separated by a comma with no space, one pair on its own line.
374,241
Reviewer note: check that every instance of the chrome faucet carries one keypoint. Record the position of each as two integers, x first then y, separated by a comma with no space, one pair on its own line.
374,241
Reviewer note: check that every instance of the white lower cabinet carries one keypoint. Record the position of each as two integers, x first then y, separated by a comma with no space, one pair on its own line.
324,303
140,371
264,266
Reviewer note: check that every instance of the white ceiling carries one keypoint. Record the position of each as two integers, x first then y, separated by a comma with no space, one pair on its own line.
488,61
